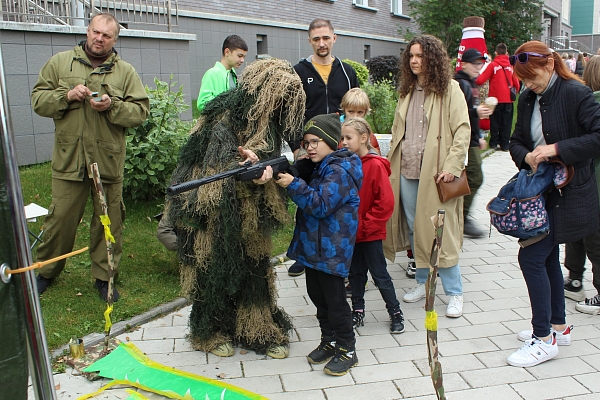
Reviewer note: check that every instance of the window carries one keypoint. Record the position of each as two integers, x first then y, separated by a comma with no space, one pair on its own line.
397,7
262,49
364,4
367,52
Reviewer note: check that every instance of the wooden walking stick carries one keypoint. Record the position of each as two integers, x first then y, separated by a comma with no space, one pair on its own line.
109,249
430,314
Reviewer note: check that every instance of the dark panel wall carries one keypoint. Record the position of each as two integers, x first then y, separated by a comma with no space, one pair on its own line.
24,54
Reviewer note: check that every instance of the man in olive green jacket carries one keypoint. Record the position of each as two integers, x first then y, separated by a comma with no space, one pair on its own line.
93,97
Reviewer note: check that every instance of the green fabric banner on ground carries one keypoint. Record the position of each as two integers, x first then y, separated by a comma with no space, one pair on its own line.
128,365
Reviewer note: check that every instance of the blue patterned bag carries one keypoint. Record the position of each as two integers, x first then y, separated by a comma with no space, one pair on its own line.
519,209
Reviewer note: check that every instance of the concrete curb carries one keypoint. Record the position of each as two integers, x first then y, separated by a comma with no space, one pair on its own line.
123,326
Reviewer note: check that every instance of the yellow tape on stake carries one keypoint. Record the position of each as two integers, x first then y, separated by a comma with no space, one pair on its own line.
108,322
431,320
105,220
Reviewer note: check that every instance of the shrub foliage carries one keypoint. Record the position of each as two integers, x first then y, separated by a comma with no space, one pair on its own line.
384,68
362,73
153,147
383,98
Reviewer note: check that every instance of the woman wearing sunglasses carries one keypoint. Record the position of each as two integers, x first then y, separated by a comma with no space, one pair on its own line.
557,117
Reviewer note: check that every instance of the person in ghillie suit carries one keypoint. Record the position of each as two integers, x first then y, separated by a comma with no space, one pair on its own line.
224,228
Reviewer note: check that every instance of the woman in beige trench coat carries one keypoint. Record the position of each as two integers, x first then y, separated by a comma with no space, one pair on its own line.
426,90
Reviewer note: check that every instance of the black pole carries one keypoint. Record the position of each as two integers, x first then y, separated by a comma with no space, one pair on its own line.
19,301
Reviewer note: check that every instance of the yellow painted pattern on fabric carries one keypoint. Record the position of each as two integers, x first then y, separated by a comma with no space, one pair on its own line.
108,322
431,320
106,223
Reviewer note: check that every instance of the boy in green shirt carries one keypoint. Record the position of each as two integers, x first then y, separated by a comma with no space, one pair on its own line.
222,76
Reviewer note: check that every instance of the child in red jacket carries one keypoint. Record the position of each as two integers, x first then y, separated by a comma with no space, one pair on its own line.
376,207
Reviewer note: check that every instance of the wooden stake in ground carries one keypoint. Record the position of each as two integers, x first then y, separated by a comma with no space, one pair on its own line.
109,249
431,320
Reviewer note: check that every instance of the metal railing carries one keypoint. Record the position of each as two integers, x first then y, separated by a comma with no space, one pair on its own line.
78,12
563,43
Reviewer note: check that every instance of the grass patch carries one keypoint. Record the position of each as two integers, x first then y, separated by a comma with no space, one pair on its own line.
148,273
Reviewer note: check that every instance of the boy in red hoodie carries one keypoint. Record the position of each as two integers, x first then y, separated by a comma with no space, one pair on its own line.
500,74
376,207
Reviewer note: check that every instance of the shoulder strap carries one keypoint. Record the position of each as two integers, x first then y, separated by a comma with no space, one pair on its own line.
507,82
440,134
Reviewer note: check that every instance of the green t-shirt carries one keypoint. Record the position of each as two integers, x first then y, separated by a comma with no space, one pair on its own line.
214,82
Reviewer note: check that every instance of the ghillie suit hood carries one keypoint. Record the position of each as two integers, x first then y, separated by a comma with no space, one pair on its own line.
224,228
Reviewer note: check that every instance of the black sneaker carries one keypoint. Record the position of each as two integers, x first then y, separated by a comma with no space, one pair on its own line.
102,287
296,269
411,268
348,291
342,361
574,289
43,283
358,318
397,324
324,352
589,306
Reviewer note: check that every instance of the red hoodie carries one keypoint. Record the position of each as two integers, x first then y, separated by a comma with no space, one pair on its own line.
376,199
500,73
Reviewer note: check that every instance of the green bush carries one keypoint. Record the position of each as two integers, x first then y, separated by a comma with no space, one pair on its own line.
383,98
153,147
362,73
384,68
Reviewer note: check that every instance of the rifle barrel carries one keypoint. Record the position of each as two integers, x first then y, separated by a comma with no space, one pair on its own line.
193,184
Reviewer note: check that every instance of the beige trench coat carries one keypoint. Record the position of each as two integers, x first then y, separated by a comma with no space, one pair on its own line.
455,137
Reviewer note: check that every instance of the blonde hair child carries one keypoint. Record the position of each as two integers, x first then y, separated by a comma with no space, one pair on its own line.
375,208
356,104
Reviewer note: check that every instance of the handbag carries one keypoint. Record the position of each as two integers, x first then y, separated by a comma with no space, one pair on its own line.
519,209
512,89
459,186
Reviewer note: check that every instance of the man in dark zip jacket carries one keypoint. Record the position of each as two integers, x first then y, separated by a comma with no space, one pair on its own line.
324,77
325,80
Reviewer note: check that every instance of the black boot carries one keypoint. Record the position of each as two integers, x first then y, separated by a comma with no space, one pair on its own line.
102,287
323,352
43,283
343,359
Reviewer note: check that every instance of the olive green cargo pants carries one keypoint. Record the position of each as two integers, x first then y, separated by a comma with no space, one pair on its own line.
60,226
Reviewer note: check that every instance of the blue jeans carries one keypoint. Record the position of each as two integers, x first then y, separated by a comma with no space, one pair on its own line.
541,269
368,256
451,278
408,195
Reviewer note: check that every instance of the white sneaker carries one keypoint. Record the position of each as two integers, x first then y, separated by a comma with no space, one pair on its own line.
455,306
415,295
562,338
533,352
589,306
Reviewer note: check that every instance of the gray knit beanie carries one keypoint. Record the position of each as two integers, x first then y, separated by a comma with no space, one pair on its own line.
326,126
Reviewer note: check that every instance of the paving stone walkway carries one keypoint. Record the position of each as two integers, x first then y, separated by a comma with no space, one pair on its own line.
473,348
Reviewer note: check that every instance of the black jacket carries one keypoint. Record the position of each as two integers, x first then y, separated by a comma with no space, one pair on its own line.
471,91
570,118
324,98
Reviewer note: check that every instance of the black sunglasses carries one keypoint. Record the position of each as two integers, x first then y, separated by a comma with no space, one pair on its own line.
522,58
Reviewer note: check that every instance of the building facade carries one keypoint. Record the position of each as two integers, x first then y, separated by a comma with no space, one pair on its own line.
365,28
585,16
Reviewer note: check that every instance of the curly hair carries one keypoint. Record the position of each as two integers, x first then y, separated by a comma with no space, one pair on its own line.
435,64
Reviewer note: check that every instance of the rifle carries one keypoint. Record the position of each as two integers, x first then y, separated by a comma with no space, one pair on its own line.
245,173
